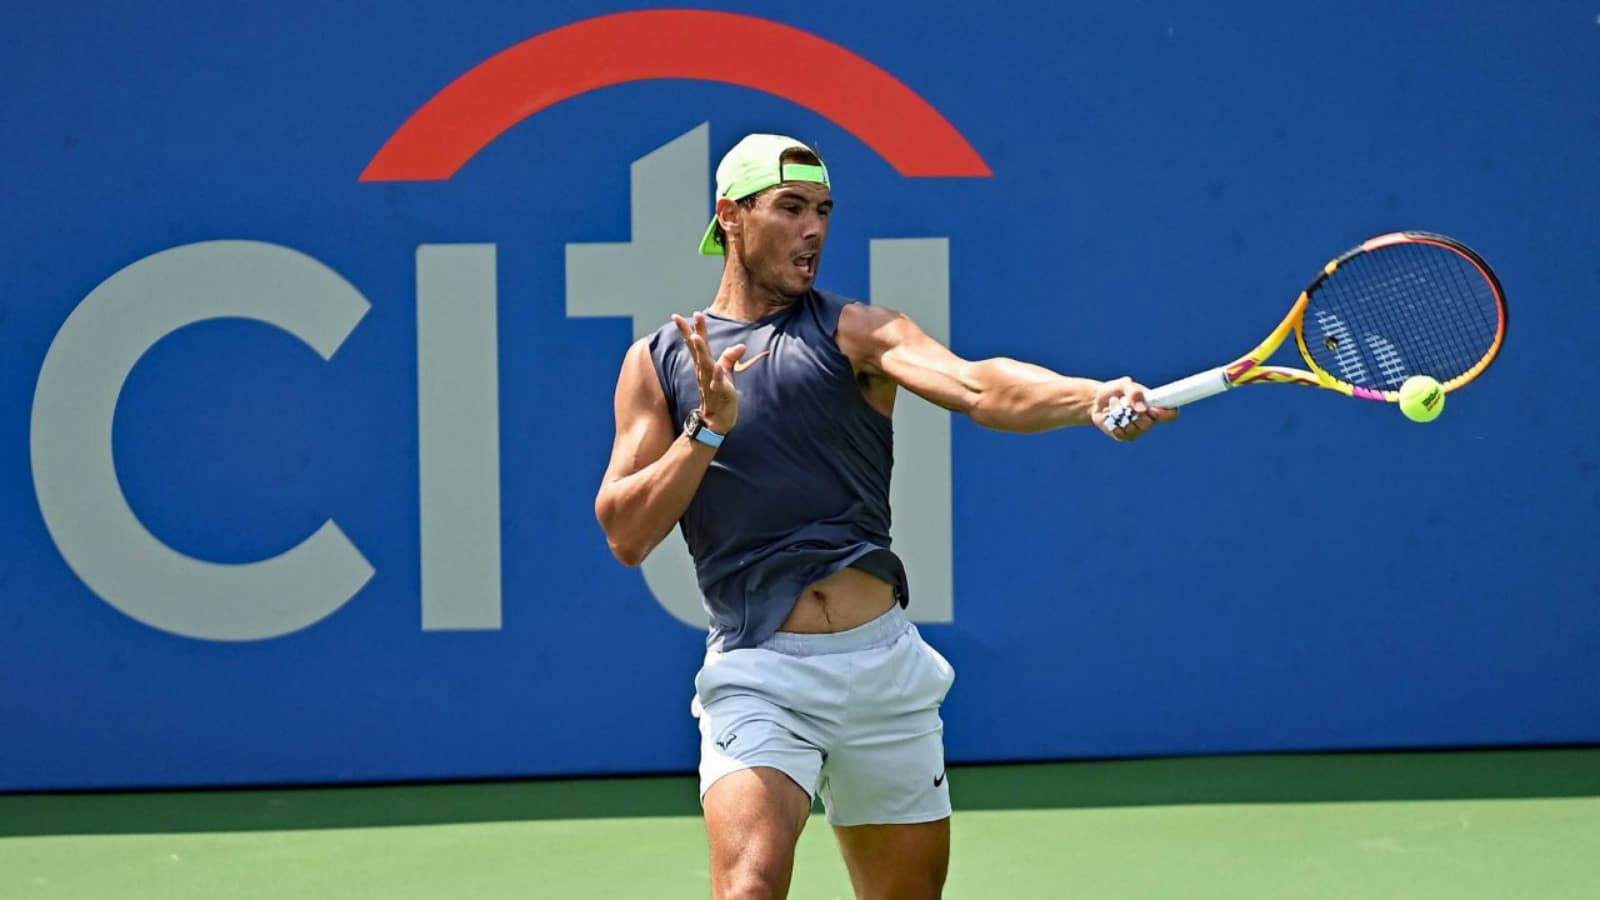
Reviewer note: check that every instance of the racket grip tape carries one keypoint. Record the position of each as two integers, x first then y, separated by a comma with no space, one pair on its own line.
1177,393
1188,390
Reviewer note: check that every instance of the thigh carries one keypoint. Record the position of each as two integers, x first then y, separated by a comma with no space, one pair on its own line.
743,728
896,862
887,768
760,761
753,819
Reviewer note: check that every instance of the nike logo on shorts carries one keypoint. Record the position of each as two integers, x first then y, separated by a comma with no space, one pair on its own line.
938,781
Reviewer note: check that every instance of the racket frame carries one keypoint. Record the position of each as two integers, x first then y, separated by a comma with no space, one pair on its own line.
1249,369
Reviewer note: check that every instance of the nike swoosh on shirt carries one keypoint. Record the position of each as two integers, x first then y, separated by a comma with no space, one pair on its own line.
743,364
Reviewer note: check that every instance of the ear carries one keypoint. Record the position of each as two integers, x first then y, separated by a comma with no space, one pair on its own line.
728,216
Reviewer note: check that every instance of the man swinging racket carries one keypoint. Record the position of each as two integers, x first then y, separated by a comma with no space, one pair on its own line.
762,427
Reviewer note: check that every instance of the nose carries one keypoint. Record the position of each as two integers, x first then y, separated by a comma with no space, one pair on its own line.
816,225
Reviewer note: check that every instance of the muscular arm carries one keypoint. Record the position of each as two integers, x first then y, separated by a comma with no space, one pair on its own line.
998,393
654,469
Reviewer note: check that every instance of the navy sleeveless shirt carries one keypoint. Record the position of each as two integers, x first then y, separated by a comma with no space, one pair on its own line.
800,488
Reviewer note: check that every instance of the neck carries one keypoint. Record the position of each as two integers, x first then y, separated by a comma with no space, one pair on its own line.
739,297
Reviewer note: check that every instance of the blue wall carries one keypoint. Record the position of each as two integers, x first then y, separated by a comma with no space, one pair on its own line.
1281,571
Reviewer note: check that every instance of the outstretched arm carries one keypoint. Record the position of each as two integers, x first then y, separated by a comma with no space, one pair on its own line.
997,393
655,469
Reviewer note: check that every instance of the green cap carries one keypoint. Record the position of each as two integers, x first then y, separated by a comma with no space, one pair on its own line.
751,167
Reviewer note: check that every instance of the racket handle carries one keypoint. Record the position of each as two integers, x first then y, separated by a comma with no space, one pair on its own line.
1177,393
1188,390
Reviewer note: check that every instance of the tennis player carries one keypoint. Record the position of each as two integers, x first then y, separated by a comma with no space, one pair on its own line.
761,426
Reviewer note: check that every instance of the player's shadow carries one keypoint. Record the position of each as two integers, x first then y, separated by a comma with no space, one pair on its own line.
1280,778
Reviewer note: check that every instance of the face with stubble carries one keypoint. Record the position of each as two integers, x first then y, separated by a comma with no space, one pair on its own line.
778,240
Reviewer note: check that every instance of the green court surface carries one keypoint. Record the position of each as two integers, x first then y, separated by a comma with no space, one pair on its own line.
1486,824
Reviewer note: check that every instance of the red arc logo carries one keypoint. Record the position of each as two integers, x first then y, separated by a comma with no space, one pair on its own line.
777,59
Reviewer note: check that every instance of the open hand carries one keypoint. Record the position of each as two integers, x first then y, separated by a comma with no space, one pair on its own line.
719,401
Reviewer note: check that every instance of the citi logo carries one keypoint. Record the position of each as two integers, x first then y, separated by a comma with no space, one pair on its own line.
458,429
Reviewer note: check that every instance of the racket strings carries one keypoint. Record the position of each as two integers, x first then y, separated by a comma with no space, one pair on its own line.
1401,310
1469,333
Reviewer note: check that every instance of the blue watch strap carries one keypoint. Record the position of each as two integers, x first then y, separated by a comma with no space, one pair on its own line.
708,437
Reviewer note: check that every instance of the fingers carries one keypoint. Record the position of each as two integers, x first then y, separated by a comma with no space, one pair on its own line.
730,356
1110,410
1140,424
684,328
718,397
1111,394
1133,396
694,332
722,372
1153,416
1123,411
694,337
701,340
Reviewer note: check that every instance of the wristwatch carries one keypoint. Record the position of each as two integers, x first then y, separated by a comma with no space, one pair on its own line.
695,429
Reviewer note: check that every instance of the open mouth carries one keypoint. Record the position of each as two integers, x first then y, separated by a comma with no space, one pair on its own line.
807,264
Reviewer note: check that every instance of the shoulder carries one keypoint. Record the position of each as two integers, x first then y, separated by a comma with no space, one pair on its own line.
664,348
648,364
864,331
640,360
829,301
839,315
664,338
862,319
825,308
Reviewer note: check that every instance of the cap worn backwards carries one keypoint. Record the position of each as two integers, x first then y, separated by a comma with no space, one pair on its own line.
753,165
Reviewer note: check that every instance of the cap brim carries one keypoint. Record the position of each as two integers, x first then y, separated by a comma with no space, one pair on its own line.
709,245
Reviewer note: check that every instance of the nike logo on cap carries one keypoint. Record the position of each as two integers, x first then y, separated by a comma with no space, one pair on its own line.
743,364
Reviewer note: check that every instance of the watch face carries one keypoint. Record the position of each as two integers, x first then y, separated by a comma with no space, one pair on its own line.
692,422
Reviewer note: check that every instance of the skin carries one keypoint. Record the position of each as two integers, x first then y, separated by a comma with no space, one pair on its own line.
754,817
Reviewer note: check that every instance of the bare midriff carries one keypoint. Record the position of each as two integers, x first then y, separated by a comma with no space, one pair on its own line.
846,599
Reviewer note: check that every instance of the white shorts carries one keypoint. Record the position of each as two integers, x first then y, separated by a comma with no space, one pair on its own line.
852,716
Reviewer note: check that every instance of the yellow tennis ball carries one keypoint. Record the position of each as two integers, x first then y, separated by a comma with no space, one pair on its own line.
1421,398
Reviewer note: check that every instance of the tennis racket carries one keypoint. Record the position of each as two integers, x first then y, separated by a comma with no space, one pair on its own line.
1402,304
